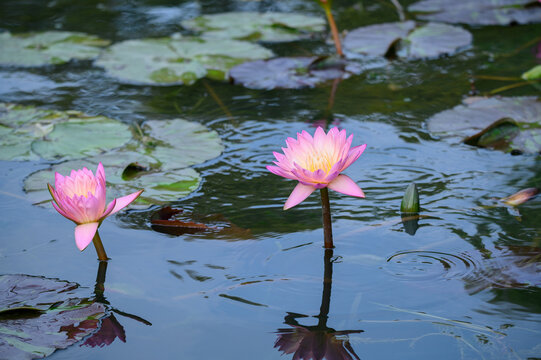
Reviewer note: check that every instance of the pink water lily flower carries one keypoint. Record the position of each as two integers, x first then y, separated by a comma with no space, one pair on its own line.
80,197
317,162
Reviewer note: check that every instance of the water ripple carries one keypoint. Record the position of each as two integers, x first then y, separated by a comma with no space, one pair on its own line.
430,265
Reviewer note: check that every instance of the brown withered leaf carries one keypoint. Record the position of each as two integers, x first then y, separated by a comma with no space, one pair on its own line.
176,222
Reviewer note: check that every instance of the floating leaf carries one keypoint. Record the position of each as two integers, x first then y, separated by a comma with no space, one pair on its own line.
377,39
496,136
63,320
176,60
28,133
179,143
532,74
479,12
270,26
50,47
485,115
78,138
290,72
405,40
160,186
158,161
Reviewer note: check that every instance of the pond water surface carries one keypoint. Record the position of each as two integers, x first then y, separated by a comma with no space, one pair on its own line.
466,285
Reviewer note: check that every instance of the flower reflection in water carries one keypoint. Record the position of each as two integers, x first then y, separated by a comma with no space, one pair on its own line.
109,328
319,341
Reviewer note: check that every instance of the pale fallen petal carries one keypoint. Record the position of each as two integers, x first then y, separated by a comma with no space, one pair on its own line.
298,195
84,233
344,184
124,201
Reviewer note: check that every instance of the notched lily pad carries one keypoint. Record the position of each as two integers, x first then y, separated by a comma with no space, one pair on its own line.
407,40
479,12
176,60
158,161
179,143
31,337
270,26
509,124
50,47
28,133
291,72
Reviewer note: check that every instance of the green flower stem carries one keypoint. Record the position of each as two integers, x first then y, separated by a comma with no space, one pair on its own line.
102,256
326,213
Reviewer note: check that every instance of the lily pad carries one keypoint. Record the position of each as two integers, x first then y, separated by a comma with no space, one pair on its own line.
50,47
176,60
27,335
163,155
78,138
405,40
179,143
510,124
160,186
479,12
270,26
290,72
27,133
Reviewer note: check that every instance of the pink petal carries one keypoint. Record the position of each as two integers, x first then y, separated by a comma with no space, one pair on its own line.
84,234
124,201
100,171
298,195
280,172
62,212
353,155
345,185
108,210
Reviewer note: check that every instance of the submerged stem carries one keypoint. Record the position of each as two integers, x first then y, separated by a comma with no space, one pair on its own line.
100,250
326,214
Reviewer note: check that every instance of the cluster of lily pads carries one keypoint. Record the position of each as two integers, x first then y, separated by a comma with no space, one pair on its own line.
155,156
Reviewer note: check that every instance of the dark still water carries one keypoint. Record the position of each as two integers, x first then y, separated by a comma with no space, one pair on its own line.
465,285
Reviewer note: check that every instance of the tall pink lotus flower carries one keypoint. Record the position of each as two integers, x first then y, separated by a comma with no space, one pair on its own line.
80,197
317,162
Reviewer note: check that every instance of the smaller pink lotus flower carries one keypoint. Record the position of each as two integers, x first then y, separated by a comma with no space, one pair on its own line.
316,162
80,197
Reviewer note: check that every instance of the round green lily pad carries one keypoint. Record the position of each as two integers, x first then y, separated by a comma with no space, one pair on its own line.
28,133
176,60
160,186
270,26
478,12
506,123
50,47
162,156
82,137
179,143
405,39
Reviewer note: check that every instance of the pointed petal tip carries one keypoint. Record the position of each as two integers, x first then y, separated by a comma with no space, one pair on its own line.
298,195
